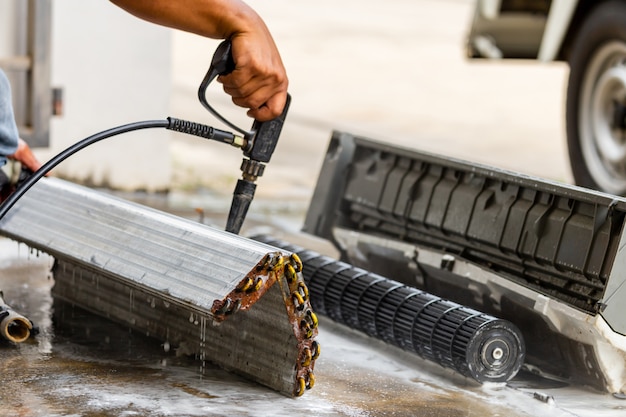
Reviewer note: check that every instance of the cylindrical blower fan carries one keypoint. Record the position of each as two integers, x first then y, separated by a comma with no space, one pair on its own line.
474,344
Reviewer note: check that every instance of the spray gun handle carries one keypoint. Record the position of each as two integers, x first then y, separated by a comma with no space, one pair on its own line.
261,140
222,63
258,144
265,136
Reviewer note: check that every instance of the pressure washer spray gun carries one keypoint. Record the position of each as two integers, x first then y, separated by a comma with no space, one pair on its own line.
258,144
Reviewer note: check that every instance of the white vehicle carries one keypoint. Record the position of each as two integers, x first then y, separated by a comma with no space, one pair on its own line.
590,35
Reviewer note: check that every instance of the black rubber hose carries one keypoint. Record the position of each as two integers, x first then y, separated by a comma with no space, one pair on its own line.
57,159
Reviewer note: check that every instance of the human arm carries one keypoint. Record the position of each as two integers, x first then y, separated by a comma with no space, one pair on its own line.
259,81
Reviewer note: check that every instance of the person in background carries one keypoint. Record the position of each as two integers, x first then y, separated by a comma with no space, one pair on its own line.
8,129
11,146
258,83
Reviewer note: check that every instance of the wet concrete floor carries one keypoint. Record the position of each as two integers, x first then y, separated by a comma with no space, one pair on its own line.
83,365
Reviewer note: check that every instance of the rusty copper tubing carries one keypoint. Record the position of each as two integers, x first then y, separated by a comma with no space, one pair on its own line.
13,326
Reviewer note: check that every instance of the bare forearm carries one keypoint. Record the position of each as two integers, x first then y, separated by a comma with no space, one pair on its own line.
259,81
218,19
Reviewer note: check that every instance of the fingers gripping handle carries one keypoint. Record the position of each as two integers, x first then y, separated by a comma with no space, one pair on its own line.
262,138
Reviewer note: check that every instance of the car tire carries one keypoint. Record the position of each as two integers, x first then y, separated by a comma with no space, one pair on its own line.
596,100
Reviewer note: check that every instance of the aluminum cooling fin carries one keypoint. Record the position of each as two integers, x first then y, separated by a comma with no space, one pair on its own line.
234,302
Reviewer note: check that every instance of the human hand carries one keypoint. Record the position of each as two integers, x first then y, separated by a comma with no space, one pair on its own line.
259,81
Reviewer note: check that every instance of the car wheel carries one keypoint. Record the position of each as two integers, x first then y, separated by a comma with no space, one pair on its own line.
596,100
